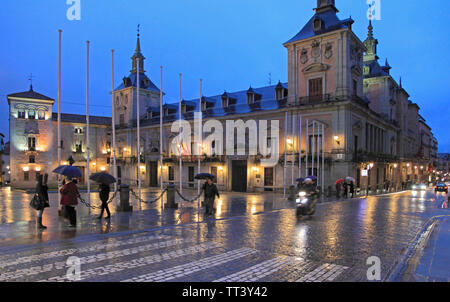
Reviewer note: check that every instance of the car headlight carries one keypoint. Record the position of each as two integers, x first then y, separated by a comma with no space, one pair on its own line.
301,200
302,194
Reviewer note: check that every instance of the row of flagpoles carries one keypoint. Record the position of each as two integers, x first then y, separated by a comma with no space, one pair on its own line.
314,149
138,143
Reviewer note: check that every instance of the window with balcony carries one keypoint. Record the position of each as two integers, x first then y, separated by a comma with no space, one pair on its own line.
21,113
78,147
171,173
31,143
315,89
31,114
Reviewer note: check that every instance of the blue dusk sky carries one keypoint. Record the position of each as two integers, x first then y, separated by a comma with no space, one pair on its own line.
229,44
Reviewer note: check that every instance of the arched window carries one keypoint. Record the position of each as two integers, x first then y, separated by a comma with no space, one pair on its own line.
41,115
31,114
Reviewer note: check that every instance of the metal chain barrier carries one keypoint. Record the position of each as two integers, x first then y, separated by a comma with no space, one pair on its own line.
186,199
149,201
84,202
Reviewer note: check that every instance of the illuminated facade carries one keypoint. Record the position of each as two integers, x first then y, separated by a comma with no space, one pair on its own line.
33,139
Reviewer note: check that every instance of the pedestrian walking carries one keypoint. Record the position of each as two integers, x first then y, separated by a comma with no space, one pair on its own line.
103,192
338,190
210,192
42,198
352,189
69,199
345,190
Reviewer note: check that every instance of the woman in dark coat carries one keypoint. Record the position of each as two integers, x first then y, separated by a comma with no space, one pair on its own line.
42,193
69,199
103,191
210,191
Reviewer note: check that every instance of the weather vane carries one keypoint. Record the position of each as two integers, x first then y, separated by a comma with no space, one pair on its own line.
31,80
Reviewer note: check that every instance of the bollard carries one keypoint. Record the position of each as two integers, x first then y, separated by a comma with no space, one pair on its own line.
171,204
124,204
292,193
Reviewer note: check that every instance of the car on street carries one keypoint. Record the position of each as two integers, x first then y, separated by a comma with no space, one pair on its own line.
441,187
420,187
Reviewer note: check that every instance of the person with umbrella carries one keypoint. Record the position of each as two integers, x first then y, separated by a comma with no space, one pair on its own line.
103,191
105,180
69,199
338,184
42,195
210,191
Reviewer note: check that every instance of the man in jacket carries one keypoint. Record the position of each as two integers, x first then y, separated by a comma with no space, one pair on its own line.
210,191
69,199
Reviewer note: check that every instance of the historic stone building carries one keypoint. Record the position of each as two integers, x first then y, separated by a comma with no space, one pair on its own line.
336,87
33,139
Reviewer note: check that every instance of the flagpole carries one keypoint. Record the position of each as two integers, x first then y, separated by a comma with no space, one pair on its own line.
160,137
293,149
59,112
200,135
323,158
300,150
318,154
313,148
180,142
285,151
307,147
138,135
87,127
113,126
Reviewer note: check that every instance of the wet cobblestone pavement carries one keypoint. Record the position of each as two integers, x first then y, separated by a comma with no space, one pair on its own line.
252,238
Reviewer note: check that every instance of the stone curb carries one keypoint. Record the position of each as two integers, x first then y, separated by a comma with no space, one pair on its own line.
403,269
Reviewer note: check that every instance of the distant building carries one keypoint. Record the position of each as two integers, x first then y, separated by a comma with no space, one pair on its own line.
33,139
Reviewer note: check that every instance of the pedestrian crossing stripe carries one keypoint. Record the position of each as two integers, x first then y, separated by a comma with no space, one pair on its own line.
93,258
259,271
148,260
193,267
326,272
90,248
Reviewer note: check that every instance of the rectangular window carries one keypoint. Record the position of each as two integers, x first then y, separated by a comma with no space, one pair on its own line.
31,143
79,147
21,113
355,88
31,114
26,175
191,174
315,89
214,171
122,119
317,139
37,175
171,173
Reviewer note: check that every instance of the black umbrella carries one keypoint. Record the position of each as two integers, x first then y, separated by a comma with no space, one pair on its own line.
204,176
69,171
103,178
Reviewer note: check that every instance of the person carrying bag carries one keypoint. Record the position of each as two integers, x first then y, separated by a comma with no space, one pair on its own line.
40,200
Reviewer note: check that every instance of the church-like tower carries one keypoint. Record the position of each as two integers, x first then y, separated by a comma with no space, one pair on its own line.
125,95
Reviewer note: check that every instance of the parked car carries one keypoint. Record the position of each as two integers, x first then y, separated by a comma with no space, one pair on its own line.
441,187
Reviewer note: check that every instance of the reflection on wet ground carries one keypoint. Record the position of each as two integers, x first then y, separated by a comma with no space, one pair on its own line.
343,233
